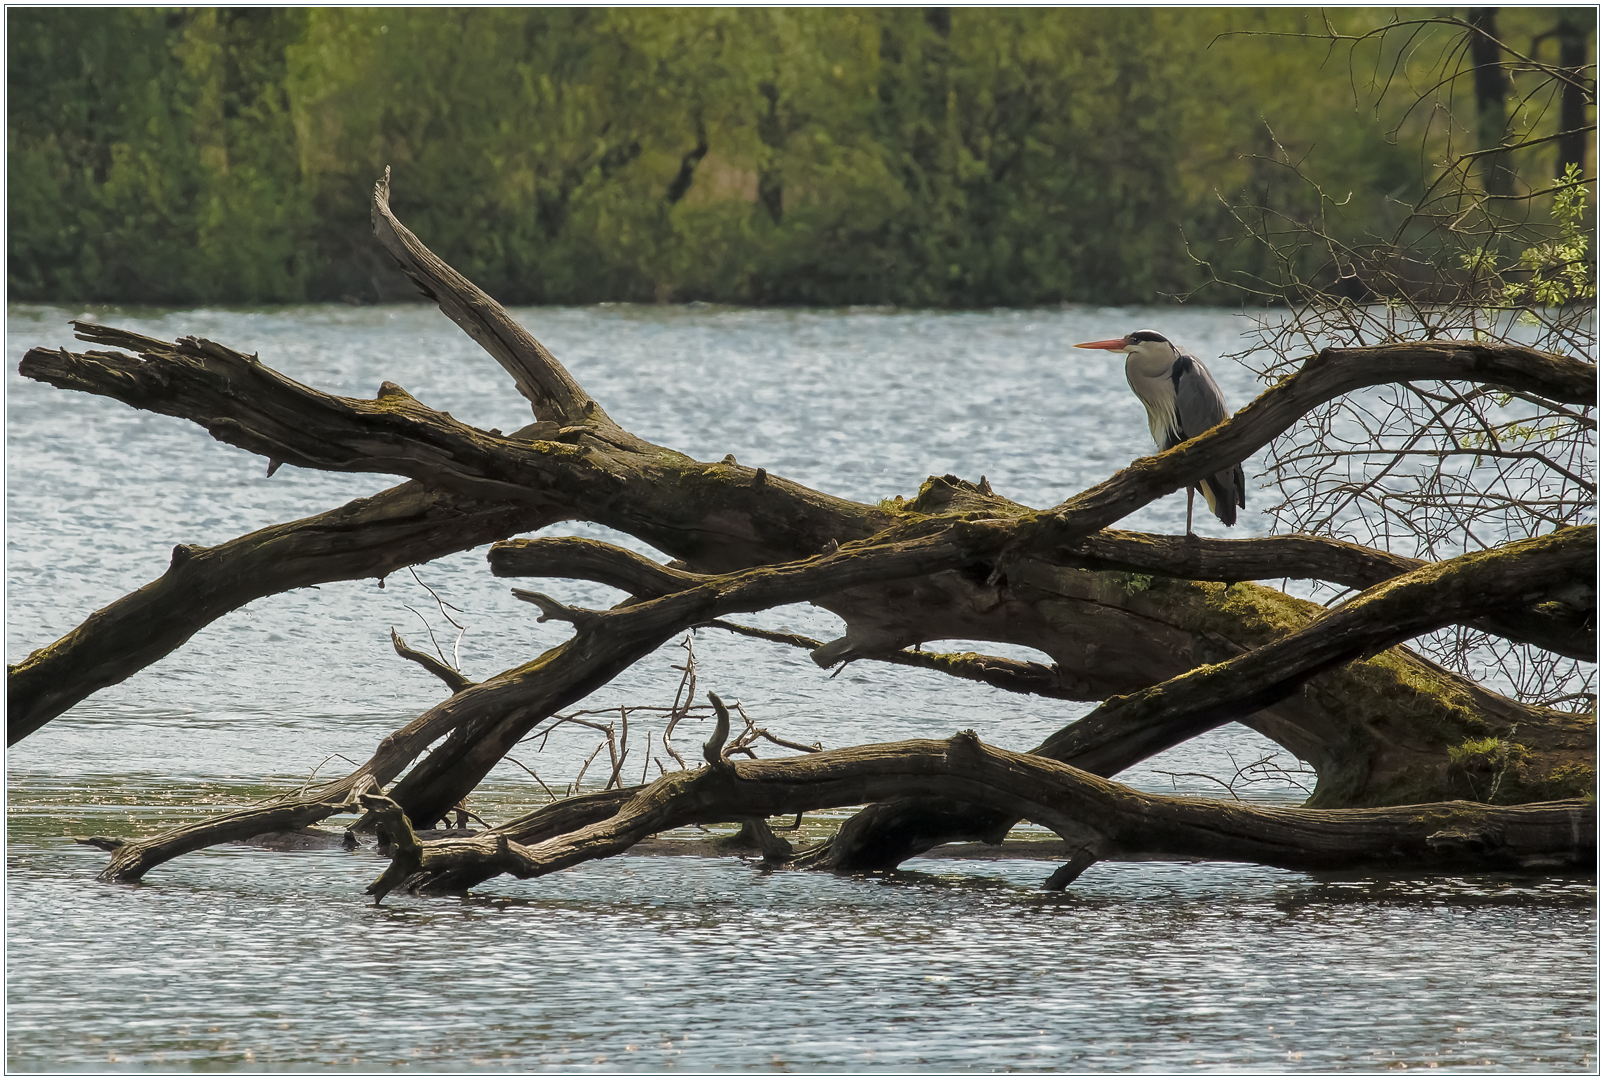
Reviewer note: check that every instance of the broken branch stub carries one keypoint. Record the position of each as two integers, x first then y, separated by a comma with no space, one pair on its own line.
713,748
552,392
454,679
397,838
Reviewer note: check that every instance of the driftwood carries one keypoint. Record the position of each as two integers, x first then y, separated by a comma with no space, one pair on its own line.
1169,633
1129,729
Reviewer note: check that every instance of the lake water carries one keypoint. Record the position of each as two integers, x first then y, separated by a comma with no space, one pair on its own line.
243,959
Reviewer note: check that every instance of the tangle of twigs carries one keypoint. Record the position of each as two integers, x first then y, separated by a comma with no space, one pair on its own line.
1436,470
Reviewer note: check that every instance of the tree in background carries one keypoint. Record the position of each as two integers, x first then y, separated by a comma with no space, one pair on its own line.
902,156
148,156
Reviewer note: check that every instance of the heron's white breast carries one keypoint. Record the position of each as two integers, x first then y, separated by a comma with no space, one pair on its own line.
1150,379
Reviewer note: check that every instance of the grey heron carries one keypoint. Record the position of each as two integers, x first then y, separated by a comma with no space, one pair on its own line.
1182,401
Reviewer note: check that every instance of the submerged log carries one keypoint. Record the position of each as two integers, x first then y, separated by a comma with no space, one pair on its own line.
1105,819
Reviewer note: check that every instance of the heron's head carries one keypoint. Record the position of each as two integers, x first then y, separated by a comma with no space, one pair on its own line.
1142,344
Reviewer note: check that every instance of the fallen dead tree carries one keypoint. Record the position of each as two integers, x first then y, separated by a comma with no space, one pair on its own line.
1168,633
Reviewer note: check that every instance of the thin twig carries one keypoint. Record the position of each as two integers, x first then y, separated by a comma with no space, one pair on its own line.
456,657
532,772
574,787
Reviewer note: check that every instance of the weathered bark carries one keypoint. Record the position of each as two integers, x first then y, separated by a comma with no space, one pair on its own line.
485,720
485,755
554,394
396,837
1126,730
607,642
1378,618
132,858
716,517
1107,819
719,516
455,680
1556,625
748,516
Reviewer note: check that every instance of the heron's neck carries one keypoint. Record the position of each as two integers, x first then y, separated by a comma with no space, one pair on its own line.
1149,365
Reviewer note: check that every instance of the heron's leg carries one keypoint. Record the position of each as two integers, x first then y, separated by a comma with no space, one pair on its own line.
1190,492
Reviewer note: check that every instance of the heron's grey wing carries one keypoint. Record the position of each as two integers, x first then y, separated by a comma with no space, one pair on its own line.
1199,405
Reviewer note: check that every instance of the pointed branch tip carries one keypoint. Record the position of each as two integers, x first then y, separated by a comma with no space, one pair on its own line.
713,748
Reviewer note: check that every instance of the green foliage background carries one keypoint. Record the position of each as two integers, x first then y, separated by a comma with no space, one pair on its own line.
920,157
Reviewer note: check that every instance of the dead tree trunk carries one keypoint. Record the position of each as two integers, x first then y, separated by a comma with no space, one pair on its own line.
1172,621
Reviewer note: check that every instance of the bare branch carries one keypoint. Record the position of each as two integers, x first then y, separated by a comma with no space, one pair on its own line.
367,538
1129,729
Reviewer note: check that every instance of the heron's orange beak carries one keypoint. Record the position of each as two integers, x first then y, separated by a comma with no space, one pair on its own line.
1111,343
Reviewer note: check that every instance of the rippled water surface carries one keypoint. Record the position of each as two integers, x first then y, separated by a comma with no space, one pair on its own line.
237,958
